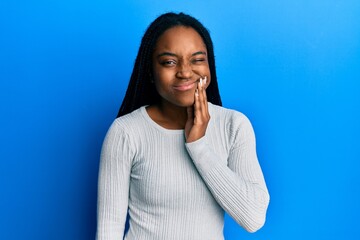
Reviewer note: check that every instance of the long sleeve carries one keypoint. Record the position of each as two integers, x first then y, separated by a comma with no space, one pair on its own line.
113,184
237,183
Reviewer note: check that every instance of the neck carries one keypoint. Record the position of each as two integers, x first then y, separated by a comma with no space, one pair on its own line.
168,115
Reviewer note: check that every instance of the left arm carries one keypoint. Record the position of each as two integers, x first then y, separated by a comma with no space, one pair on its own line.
239,186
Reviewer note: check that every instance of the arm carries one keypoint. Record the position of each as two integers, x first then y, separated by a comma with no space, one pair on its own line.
239,185
113,185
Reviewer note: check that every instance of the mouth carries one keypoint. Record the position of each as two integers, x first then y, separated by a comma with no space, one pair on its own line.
185,86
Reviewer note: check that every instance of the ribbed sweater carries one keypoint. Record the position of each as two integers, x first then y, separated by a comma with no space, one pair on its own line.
175,190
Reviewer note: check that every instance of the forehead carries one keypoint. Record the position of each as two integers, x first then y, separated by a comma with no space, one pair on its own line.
180,38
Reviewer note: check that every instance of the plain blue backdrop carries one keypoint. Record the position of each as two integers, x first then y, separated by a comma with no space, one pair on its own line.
293,67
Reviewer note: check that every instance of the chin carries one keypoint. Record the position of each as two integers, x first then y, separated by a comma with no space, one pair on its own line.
183,100
188,103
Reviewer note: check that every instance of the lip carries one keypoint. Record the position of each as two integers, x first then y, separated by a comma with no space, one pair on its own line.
185,86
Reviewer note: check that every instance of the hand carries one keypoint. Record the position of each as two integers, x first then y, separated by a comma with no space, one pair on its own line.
198,115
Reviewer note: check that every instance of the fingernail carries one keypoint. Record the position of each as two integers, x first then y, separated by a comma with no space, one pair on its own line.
201,82
196,92
205,80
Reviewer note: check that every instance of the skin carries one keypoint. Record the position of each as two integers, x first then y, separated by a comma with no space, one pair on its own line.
179,63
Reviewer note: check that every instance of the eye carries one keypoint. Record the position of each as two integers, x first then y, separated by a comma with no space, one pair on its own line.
198,60
168,63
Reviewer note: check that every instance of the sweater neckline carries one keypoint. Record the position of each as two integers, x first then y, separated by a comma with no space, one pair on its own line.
157,126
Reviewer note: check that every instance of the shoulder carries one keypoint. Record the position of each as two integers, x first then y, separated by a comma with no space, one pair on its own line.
128,125
125,130
229,116
130,118
236,125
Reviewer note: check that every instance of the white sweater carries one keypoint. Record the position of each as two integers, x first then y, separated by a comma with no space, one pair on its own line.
176,190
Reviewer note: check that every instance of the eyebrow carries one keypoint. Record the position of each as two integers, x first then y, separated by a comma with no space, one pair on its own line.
174,55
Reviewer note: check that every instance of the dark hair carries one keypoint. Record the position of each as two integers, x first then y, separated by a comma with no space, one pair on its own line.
141,91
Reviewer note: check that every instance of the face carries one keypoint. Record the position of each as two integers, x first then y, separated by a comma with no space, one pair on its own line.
180,59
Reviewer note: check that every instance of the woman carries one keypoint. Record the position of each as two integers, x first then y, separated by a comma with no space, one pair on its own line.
174,159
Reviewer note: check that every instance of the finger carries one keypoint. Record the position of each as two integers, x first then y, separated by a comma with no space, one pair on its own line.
201,91
206,82
203,99
206,109
205,87
197,105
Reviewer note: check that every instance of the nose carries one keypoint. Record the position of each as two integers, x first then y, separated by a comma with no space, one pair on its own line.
184,71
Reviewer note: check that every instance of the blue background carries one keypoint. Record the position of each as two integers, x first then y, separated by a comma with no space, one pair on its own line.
293,67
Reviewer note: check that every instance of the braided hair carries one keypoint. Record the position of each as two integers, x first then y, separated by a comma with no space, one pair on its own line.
141,91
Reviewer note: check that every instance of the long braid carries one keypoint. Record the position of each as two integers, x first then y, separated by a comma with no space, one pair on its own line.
141,91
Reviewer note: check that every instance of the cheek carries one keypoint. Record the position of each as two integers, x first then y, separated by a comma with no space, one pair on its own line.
202,71
162,83
208,75
206,71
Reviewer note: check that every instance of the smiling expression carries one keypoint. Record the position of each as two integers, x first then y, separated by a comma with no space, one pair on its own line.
179,60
